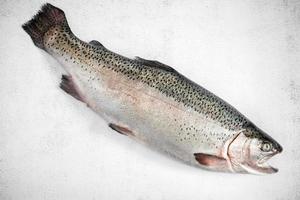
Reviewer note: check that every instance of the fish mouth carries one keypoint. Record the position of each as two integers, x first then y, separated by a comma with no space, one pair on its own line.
261,166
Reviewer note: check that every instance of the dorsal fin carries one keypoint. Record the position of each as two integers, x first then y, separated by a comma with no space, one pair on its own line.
154,63
96,43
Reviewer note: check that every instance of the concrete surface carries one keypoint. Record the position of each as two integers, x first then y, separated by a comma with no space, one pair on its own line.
54,147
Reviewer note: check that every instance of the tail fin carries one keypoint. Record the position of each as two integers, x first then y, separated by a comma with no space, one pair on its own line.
46,18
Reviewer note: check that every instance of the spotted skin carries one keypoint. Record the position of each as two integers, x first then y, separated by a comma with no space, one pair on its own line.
171,84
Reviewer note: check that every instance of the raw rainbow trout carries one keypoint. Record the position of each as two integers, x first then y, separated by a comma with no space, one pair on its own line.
153,103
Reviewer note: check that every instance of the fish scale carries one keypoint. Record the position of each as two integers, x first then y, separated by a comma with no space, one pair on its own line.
152,102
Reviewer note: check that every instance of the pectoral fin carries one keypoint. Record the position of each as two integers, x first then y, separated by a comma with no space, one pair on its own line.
211,161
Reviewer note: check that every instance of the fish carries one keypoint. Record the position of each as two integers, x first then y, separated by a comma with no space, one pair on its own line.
153,103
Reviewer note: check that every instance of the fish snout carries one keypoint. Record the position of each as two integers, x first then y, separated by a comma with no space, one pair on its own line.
278,148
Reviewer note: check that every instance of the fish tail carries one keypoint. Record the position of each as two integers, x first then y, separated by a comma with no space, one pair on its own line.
48,17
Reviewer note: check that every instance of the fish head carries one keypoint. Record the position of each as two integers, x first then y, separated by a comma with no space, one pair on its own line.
251,149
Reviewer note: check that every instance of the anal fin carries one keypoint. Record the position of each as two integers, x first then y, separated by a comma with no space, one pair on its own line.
69,87
120,129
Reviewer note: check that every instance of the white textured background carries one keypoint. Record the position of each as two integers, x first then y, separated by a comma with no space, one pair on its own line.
54,147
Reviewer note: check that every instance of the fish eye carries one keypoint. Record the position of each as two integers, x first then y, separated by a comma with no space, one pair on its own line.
266,146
